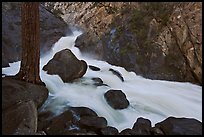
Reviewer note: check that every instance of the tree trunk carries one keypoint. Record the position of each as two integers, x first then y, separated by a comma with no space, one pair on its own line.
30,59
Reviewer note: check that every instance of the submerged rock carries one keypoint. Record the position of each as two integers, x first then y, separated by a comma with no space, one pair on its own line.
94,68
66,65
116,99
117,73
98,82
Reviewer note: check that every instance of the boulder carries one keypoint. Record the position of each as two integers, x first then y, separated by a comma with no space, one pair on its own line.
60,124
15,91
44,120
109,131
51,29
116,99
67,123
126,131
142,126
156,131
20,119
66,65
180,126
82,111
92,123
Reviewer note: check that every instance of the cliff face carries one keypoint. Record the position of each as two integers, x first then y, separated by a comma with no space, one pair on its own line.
155,40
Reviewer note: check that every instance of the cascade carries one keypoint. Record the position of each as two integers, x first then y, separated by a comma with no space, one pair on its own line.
152,99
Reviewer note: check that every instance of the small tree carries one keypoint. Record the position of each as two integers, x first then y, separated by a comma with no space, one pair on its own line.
30,59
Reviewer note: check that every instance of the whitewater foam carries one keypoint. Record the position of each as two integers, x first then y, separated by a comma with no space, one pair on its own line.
152,99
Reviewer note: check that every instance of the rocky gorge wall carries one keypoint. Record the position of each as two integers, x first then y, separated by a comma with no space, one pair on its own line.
51,29
155,40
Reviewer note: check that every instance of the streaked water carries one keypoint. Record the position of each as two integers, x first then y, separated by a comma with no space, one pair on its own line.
152,99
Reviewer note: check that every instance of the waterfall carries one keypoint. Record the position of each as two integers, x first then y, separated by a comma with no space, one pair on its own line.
152,99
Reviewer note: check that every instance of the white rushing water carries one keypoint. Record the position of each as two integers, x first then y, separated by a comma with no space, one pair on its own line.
152,99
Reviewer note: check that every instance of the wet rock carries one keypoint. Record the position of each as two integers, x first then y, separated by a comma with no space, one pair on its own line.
118,74
180,126
98,82
116,99
66,65
109,131
94,68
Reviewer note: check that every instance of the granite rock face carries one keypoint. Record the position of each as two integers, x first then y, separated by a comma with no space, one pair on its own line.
155,40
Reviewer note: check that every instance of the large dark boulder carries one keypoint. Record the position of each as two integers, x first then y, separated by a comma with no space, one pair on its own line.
20,119
44,119
20,101
60,125
15,91
66,65
180,126
67,123
93,123
116,99
51,29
